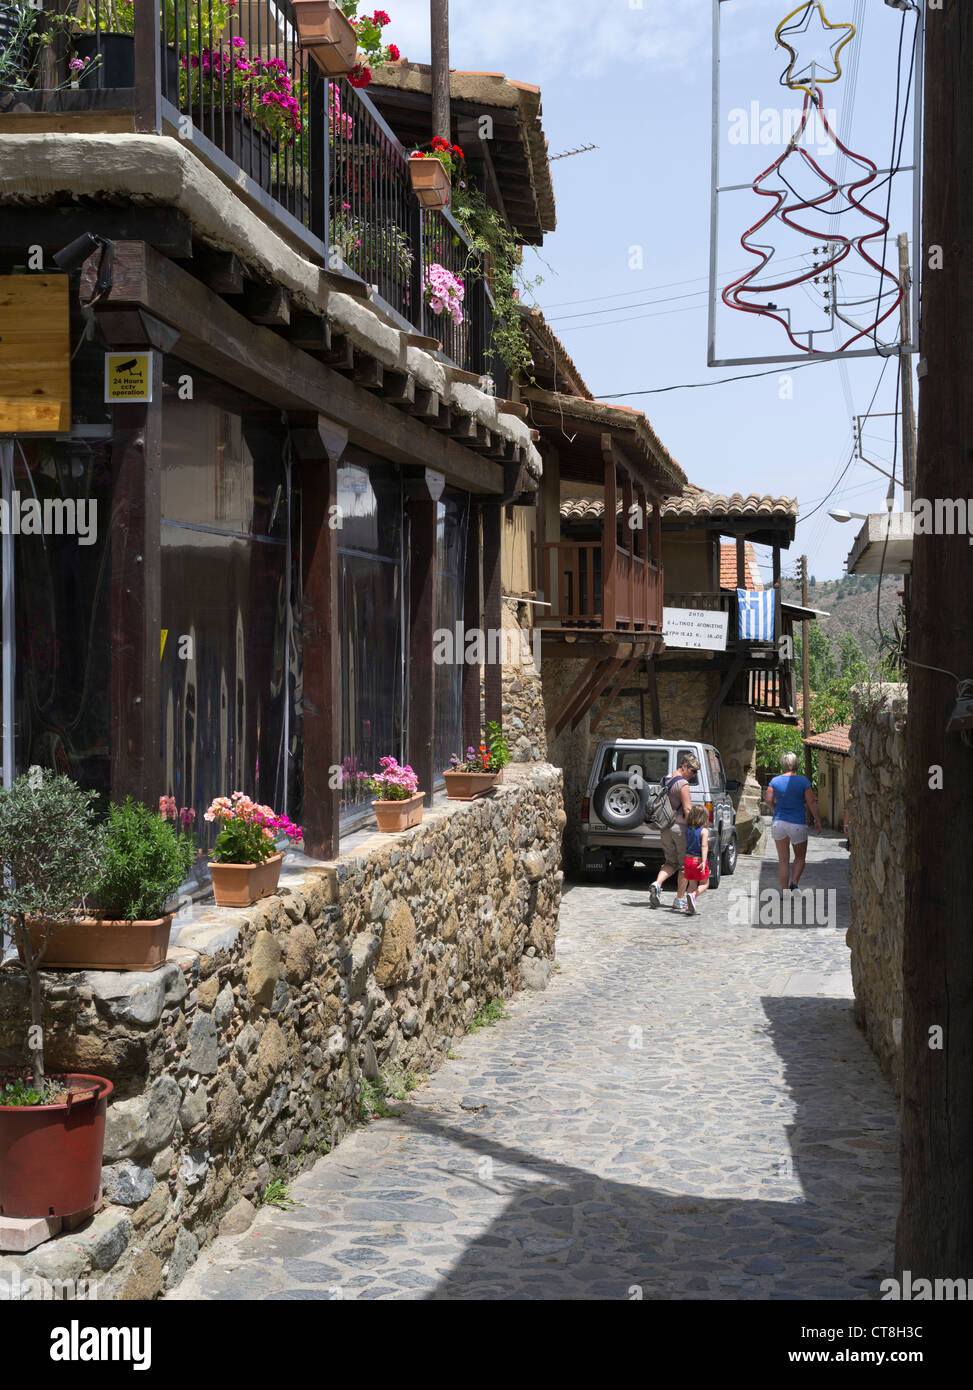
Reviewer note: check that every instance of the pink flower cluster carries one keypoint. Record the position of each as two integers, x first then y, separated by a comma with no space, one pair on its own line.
395,782
338,119
168,810
444,292
239,806
261,86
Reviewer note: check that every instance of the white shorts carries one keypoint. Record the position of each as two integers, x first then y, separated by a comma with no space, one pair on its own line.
789,830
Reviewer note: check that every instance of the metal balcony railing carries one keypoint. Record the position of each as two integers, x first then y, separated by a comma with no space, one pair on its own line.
229,77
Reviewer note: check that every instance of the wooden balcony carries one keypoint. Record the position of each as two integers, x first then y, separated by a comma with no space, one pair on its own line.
766,688
570,575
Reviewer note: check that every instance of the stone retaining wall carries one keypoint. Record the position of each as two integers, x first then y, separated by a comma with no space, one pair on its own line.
876,827
242,1058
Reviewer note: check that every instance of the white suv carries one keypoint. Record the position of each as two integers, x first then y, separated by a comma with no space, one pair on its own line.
625,772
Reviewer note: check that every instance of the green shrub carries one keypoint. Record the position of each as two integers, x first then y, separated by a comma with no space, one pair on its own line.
145,862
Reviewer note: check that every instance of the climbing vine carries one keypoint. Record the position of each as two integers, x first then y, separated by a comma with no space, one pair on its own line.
495,244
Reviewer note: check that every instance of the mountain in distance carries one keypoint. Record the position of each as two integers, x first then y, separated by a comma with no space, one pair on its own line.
851,603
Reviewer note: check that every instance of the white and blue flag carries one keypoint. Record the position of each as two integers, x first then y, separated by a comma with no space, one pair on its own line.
756,610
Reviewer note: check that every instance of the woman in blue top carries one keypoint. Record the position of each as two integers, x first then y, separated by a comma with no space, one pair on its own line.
791,797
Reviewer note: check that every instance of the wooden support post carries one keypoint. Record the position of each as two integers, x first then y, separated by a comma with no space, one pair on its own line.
321,448
439,45
654,698
742,561
628,539
777,592
472,622
609,533
598,686
493,611
136,598
935,1227
606,704
422,616
148,67
586,679
723,691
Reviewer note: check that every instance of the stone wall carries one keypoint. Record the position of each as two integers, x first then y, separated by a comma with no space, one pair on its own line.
523,698
241,1059
877,884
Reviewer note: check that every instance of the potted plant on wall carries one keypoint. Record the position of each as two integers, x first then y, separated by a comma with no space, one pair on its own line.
144,861
481,769
432,172
335,35
52,1125
246,862
398,800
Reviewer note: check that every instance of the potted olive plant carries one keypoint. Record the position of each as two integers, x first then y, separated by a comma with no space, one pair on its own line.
52,1125
481,769
144,860
246,862
398,803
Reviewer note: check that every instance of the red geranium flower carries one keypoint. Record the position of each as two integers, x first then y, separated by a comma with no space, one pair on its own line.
394,52
380,18
360,76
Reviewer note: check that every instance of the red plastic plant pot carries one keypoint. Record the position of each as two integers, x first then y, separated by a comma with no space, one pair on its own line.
50,1155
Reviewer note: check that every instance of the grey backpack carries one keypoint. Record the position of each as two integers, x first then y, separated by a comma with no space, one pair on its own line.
659,810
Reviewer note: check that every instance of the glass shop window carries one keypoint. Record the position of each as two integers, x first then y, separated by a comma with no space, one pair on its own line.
451,536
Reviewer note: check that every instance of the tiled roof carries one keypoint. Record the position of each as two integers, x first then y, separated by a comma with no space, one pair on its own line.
836,740
696,504
621,417
728,567
564,375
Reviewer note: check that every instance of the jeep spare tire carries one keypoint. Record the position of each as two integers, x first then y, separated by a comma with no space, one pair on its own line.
618,803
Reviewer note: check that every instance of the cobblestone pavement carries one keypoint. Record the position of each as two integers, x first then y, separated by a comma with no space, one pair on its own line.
688,1112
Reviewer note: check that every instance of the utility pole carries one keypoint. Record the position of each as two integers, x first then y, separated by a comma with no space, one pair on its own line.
908,409
935,1228
805,629
439,35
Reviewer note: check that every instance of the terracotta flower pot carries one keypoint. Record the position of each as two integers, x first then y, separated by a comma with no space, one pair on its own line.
393,816
430,181
467,786
240,885
50,1155
98,943
325,31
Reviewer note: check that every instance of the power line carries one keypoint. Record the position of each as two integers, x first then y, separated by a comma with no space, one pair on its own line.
650,289
697,385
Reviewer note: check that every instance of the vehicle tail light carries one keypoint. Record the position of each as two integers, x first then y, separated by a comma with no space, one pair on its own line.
709,811
584,810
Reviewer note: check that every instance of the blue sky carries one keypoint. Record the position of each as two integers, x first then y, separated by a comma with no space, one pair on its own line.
625,274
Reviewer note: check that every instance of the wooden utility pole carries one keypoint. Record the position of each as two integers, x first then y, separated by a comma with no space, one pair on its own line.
439,35
935,1229
805,632
908,408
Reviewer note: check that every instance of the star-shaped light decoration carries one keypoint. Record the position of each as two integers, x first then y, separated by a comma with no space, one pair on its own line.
825,42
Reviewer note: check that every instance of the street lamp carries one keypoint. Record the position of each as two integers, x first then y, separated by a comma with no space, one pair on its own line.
841,515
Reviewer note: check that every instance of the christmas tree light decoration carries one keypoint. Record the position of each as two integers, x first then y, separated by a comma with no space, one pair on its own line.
811,70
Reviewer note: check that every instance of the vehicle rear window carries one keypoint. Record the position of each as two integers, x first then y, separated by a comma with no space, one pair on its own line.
715,770
654,762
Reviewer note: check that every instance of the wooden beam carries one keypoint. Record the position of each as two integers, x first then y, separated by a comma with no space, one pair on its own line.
217,338
50,228
368,372
136,604
222,271
341,355
736,667
423,515
605,705
471,623
742,562
609,528
597,689
399,389
652,673
320,444
493,610
464,429
268,304
427,405
309,332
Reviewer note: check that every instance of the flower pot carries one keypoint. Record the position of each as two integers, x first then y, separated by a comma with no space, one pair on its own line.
97,943
326,32
467,786
117,66
240,885
430,182
235,134
50,1155
393,816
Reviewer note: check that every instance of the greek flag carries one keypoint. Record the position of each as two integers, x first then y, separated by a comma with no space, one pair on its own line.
756,609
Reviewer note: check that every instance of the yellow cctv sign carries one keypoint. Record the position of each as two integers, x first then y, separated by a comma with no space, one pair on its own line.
128,376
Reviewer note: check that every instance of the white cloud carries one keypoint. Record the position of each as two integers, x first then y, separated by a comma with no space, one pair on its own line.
535,39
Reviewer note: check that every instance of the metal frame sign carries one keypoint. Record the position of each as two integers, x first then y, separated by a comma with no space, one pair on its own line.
128,377
695,629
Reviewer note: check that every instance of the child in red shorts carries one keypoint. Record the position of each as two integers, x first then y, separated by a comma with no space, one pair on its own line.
694,873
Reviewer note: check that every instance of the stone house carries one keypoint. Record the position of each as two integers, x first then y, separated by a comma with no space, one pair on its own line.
835,768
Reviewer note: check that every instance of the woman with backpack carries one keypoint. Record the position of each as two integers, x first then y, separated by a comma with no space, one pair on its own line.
674,836
791,797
